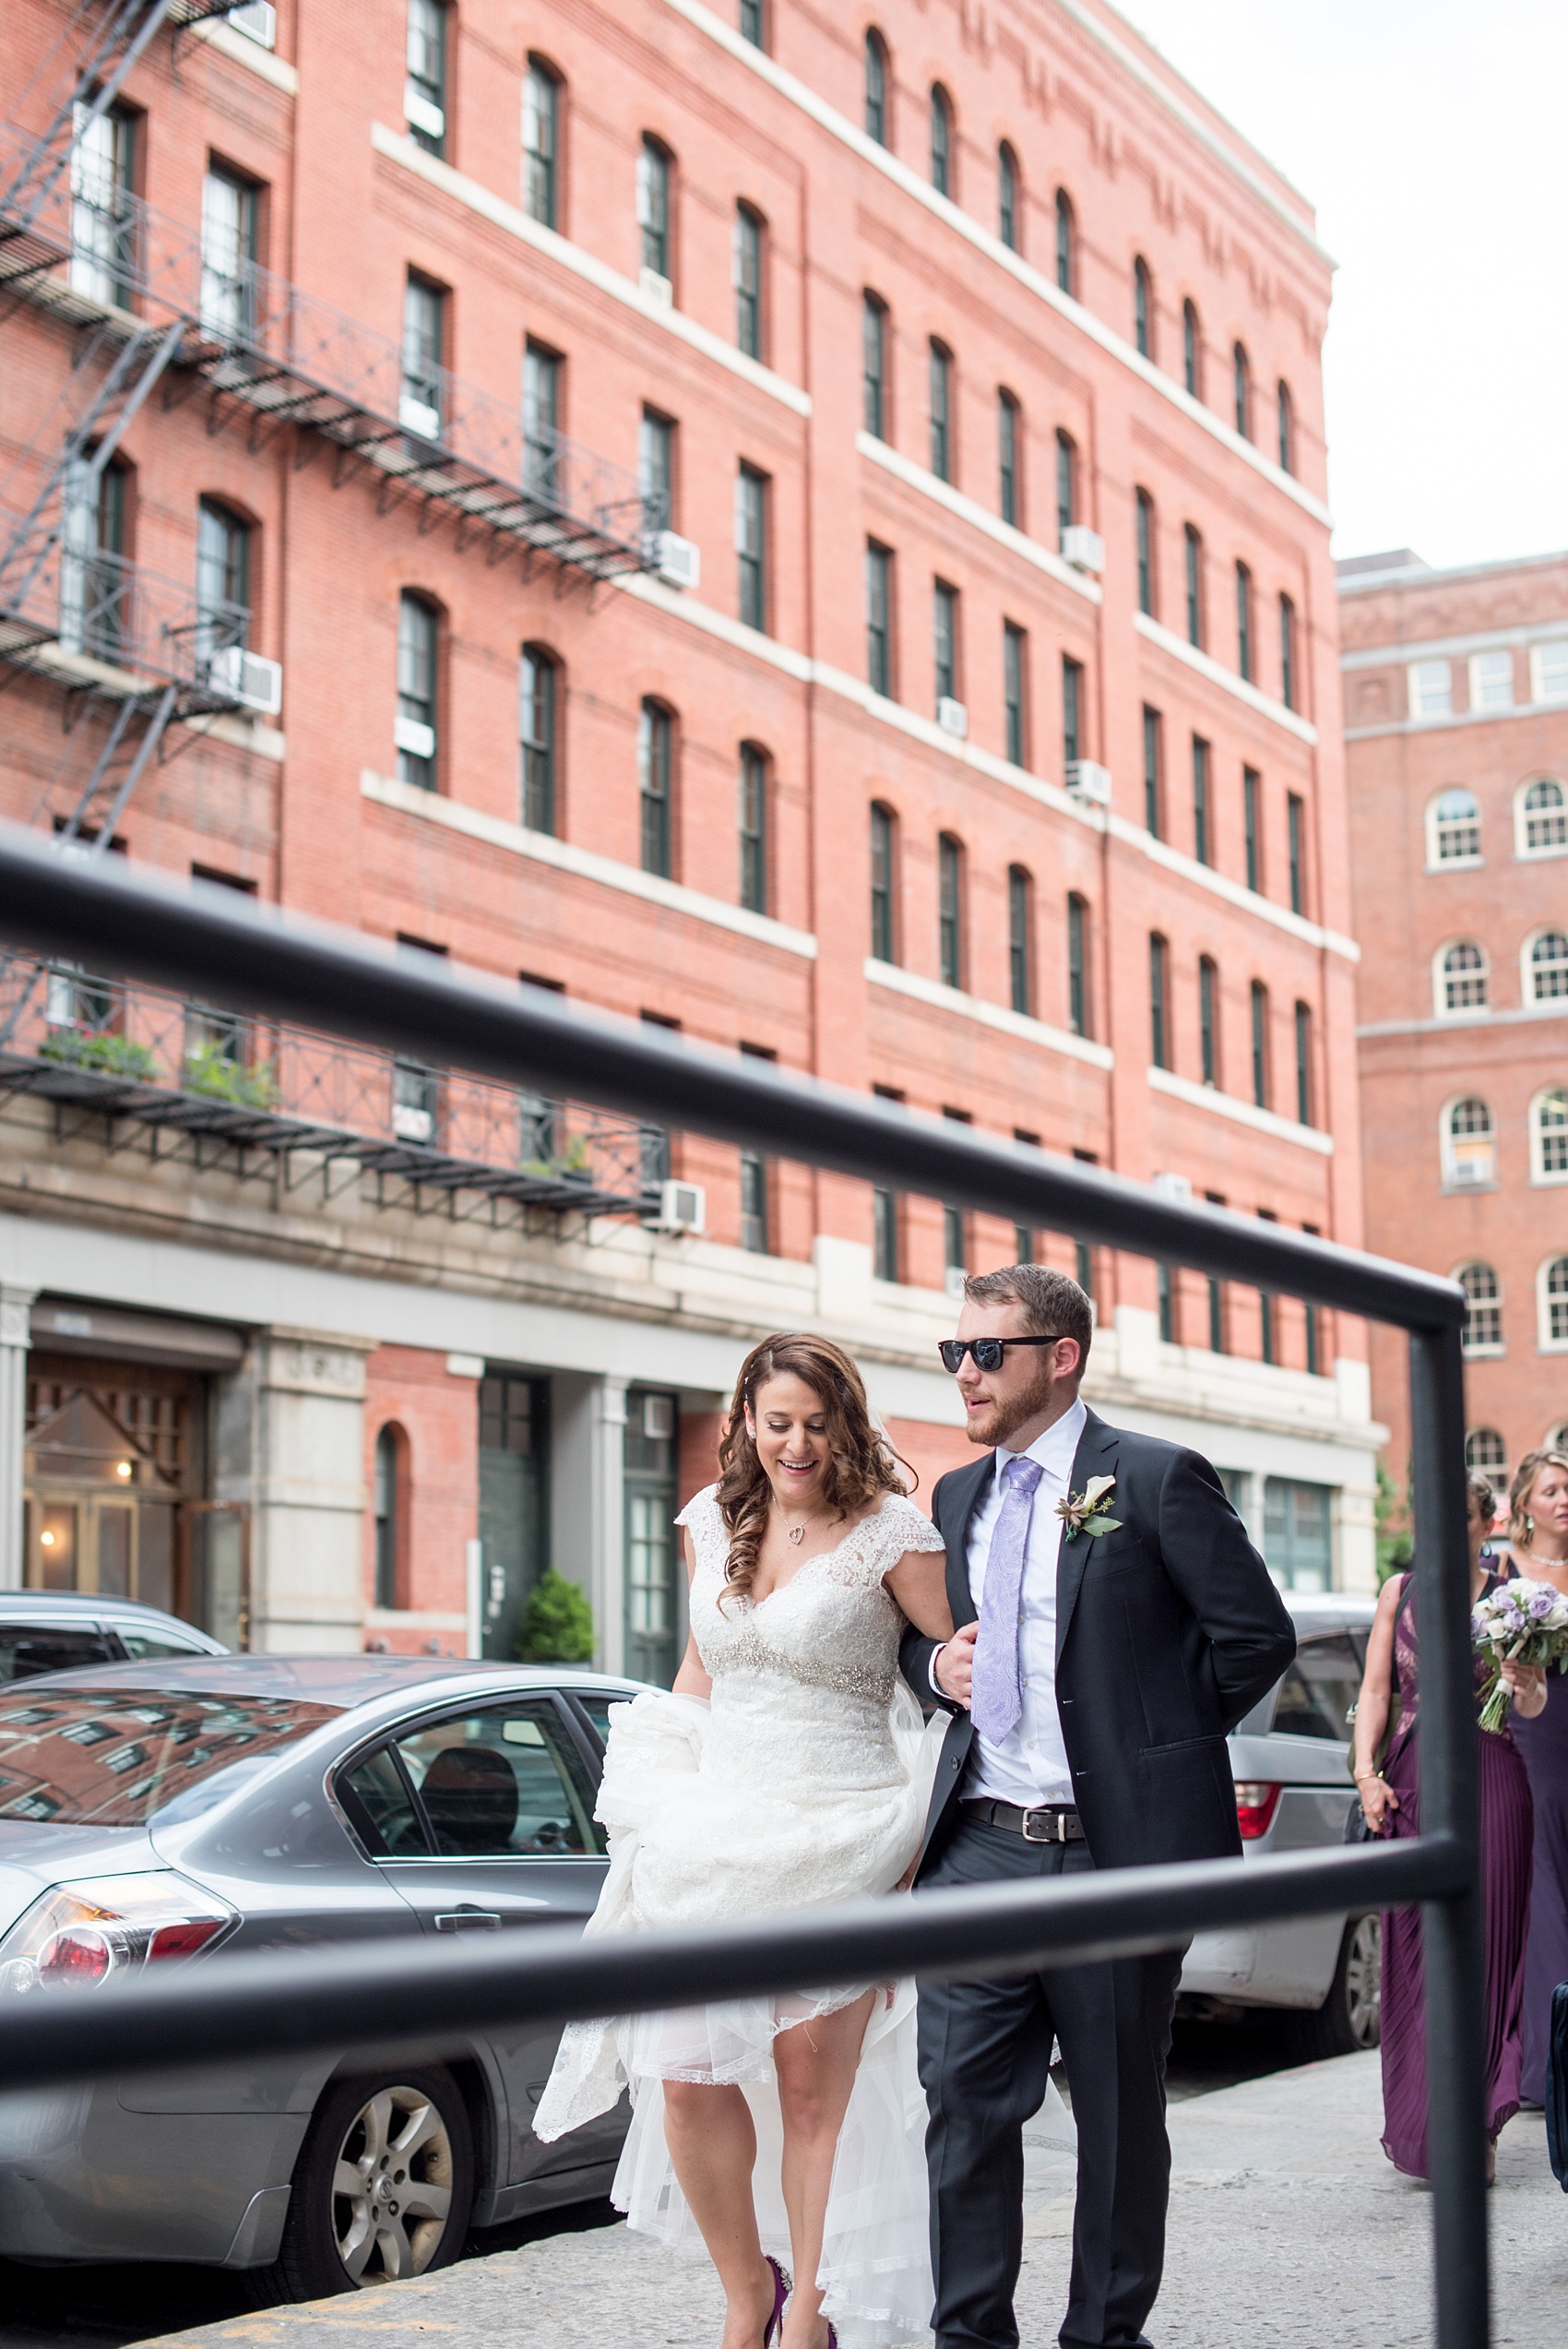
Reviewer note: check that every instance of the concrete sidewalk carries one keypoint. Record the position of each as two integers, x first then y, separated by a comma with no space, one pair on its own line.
1288,2230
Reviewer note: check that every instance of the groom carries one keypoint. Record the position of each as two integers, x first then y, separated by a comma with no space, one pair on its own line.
1091,1683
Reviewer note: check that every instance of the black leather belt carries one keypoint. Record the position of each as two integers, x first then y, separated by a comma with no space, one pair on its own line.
1045,1823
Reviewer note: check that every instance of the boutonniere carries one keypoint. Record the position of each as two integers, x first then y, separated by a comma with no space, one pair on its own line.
1085,1512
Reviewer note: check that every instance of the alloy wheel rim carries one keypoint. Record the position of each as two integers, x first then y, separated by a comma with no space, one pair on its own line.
1363,1980
391,2187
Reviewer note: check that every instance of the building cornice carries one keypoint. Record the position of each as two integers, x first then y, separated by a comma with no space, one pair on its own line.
967,510
584,864
1204,664
1416,576
1448,725
398,147
1397,656
1466,1022
1239,1113
988,1015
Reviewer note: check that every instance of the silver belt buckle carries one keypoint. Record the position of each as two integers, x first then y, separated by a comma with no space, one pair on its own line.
1056,1821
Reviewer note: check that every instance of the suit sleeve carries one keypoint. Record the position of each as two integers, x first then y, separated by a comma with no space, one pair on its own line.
1208,1556
915,1650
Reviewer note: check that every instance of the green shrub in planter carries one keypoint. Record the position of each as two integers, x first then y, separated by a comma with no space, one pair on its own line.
99,1049
211,1070
557,1623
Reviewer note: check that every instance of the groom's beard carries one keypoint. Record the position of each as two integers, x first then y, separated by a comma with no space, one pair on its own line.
1003,1419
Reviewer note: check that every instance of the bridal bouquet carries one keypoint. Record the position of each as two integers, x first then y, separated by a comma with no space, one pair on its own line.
1522,1623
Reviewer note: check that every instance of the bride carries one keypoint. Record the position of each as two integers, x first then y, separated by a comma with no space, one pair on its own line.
789,1768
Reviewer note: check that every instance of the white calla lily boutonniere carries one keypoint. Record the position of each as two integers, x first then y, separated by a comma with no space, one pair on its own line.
1085,1512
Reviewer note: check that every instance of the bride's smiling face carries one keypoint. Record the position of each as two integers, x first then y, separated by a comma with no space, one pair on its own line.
788,1426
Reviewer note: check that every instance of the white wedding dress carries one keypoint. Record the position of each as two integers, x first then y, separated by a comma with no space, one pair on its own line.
803,1781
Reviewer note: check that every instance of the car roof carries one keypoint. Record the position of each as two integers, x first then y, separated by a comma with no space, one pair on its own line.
344,1683
1330,1610
92,1606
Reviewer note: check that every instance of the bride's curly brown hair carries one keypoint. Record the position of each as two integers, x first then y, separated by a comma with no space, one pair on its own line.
862,1463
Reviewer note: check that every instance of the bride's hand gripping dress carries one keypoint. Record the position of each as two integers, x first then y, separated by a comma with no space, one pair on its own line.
804,1781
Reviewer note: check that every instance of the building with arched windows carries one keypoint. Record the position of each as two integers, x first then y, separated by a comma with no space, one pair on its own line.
713,512
1456,750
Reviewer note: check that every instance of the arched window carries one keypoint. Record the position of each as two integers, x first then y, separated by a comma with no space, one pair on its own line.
1158,1000
1540,818
1066,243
1454,829
1078,1013
748,249
1191,351
1193,557
539,721
1144,531
1303,1063
391,1445
1483,1315
950,909
1020,921
656,169
1209,1018
1009,198
754,827
419,629
1009,452
1287,652
1552,1305
1244,624
656,779
941,141
876,87
873,365
884,877
1549,1137
541,143
1468,1144
941,379
1260,1043
1285,408
1546,967
1461,977
1242,378
223,579
1142,307
1066,485
1485,1455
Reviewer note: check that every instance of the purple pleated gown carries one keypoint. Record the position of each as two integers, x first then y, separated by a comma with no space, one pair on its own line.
1506,1828
1544,1745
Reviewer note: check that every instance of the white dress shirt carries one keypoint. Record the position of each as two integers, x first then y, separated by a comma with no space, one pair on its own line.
1030,1765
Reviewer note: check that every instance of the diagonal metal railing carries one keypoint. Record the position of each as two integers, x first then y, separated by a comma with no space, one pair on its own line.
265,966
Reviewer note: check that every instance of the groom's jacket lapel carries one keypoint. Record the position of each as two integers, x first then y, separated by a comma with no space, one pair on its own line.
1095,1456
967,1489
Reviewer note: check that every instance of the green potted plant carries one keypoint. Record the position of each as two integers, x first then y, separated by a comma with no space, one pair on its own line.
557,1623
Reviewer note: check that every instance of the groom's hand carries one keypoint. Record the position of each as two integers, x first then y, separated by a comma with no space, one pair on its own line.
955,1666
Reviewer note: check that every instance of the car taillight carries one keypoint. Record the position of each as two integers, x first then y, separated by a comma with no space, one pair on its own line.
1256,1802
99,1926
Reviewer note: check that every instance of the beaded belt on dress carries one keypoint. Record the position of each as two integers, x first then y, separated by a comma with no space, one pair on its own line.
1044,1823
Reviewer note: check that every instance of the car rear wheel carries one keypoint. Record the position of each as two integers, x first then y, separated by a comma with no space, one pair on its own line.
382,2188
1350,2018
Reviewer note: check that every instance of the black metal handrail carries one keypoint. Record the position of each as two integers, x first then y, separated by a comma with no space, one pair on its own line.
236,955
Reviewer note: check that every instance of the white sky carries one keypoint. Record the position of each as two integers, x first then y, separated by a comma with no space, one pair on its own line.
1431,135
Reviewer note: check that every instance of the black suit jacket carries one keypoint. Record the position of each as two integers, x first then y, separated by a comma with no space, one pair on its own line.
1167,1632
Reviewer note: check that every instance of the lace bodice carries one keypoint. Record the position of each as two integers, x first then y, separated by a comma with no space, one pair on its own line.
832,1626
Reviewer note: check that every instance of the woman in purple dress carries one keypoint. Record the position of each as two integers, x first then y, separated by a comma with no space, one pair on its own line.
1538,1529
1391,1804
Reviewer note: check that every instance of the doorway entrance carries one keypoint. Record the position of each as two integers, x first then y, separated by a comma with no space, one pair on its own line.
514,1451
116,1453
653,1615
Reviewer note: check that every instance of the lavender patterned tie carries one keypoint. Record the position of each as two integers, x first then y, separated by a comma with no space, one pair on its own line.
996,1699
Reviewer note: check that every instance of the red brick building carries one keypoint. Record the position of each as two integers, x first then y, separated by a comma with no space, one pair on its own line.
1456,710
812,533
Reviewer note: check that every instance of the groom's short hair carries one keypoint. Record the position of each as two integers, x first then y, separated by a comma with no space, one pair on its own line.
1048,1300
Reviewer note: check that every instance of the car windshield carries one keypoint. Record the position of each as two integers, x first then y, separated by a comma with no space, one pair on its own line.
111,1756
27,1649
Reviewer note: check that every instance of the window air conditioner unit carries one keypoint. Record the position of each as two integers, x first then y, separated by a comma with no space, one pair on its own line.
414,736
656,287
259,19
1088,779
248,679
952,1281
420,113
952,716
682,1206
1470,1170
1085,549
417,416
1175,1187
678,560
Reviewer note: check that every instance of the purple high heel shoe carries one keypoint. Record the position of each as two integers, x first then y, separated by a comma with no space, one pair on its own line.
780,2294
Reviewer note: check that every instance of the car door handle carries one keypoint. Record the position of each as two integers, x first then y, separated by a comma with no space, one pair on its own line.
462,1920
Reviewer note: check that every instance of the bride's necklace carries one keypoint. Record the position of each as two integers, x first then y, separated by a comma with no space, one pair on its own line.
796,1534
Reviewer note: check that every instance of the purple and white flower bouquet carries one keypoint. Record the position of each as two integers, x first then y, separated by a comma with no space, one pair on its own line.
1520,1623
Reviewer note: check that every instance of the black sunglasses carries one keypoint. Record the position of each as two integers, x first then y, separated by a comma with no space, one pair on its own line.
987,1352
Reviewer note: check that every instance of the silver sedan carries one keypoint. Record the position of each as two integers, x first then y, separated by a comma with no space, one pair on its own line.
1290,1760
159,1813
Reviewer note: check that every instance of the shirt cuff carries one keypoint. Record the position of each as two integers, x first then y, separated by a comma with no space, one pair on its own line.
936,1688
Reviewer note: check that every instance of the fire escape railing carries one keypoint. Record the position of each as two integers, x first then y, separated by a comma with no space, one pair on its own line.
124,1050
265,347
